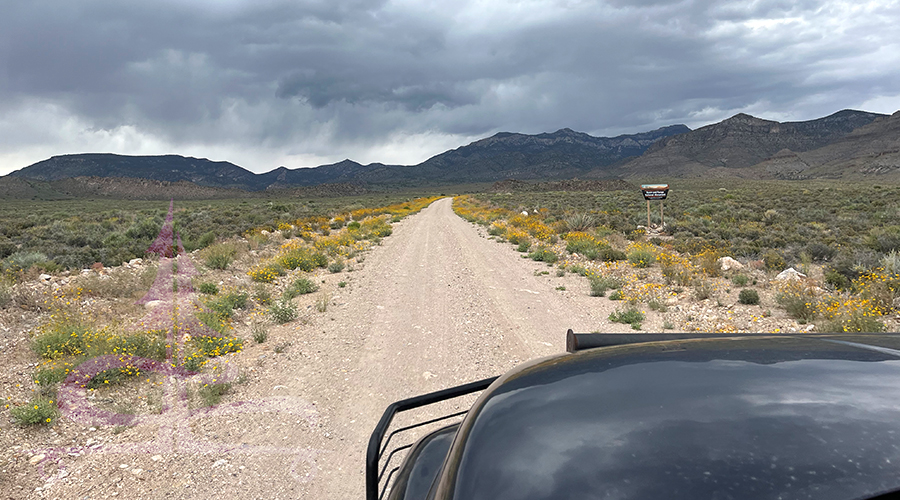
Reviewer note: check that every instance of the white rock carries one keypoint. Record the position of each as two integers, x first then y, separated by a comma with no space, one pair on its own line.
790,274
44,277
135,262
727,264
37,458
123,466
219,462
136,471
525,213
156,458
153,304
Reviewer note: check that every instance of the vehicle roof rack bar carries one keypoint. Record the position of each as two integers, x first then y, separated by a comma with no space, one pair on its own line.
373,453
580,341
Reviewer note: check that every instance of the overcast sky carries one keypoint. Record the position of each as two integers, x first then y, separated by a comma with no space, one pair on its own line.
264,83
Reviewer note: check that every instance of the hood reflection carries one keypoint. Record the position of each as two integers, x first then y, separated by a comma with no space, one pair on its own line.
811,428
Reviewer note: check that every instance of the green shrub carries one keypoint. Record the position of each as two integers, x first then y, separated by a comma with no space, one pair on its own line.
220,255
206,240
300,286
641,257
208,288
523,246
260,332
628,316
799,300
703,289
578,269
773,261
212,346
63,338
211,394
600,284
617,295
883,239
22,261
38,411
748,296
262,294
837,280
283,311
611,254
580,222
336,266
224,305
266,272
543,254
302,258
740,279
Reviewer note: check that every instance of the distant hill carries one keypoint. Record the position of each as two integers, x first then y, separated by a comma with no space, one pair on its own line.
168,168
559,155
848,144
729,147
871,151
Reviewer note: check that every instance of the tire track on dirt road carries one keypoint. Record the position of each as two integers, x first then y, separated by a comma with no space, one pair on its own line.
438,305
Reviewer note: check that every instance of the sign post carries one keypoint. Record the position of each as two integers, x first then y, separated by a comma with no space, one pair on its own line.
654,192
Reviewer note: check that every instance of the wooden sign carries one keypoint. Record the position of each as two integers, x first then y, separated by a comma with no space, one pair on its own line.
655,191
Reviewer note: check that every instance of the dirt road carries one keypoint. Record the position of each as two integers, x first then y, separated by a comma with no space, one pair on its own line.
436,305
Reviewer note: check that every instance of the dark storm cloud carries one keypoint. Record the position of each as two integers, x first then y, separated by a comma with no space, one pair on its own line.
330,79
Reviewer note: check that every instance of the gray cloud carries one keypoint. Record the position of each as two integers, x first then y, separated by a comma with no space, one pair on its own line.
268,82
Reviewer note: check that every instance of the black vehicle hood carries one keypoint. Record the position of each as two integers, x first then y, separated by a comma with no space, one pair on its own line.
755,418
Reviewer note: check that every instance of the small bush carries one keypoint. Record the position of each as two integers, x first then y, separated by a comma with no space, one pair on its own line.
63,338
220,255
212,346
641,257
302,258
543,254
262,295
336,266
740,279
600,284
208,288
211,394
629,316
773,261
616,295
266,273
748,296
38,411
260,332
523,246
799,300
283,311
577,269
580,222
612,255
224,305
703,290
22,261
300,286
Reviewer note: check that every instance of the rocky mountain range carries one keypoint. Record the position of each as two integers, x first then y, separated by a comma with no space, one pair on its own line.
732,147
848,144
560,155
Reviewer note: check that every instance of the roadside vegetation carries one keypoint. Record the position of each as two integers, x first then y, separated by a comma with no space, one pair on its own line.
721,251
110,330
